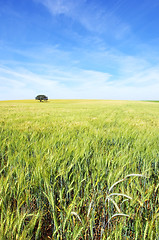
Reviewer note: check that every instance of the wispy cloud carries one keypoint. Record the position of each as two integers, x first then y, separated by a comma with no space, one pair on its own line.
54,81
58,6
85,49
74,82
78,73
90,15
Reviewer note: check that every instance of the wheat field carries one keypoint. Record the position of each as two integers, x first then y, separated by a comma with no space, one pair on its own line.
79,169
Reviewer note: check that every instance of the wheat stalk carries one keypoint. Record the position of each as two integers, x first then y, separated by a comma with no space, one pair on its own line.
130,175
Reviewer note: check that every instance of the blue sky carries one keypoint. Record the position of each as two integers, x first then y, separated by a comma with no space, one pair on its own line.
84,49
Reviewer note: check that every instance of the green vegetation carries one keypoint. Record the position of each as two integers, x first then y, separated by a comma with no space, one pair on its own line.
79,169
41,98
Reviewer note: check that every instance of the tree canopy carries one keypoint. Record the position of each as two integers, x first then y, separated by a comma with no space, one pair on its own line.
41,98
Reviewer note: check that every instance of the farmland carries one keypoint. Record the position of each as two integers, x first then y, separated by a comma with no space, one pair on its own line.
79,169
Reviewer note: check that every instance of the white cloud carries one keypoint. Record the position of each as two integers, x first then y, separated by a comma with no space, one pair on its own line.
58,82
92,16
137,71
57,6
120,76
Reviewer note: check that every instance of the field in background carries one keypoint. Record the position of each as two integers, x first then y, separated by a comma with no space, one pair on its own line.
61,163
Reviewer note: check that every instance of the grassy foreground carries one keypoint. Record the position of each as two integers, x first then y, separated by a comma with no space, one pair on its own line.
79,169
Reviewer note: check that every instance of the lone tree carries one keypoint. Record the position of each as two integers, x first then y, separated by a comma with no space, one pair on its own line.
41,98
